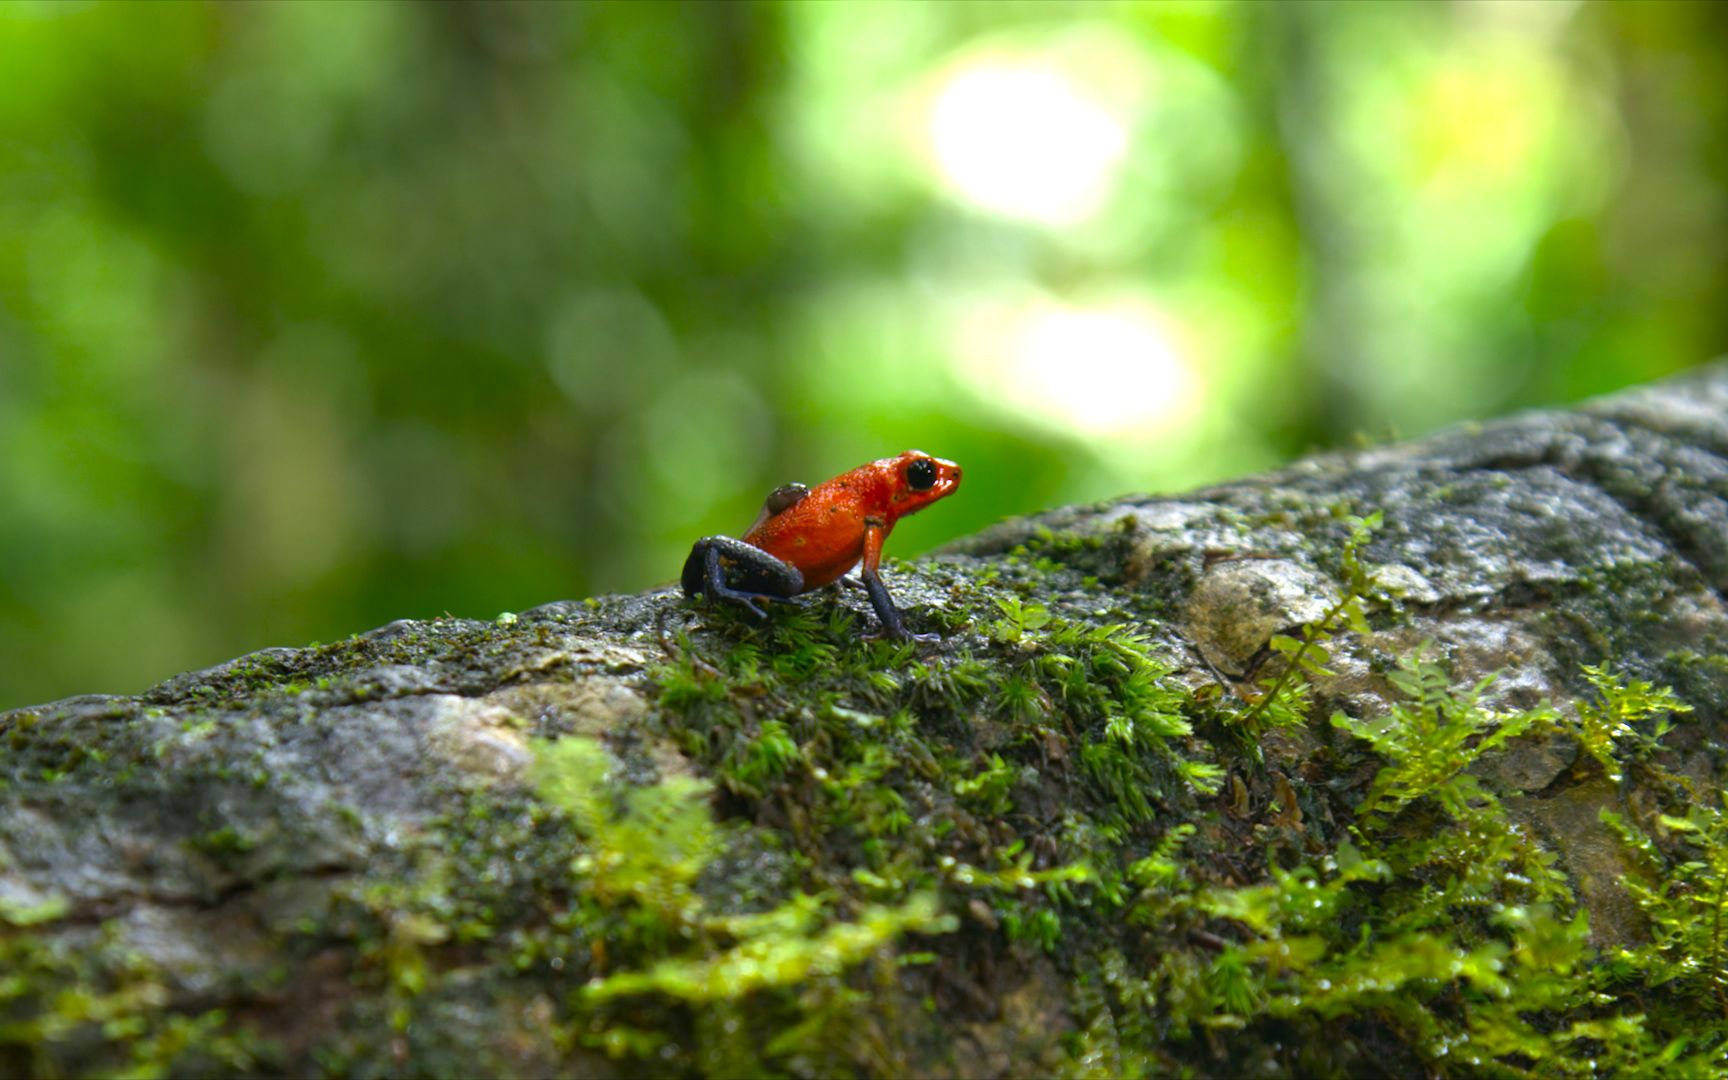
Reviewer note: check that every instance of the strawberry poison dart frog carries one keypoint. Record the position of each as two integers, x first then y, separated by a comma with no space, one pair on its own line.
806,537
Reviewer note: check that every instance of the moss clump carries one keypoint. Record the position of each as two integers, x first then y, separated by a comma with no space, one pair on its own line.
1438,933
1681,884
85,1004
1627,718
1434,921
711,981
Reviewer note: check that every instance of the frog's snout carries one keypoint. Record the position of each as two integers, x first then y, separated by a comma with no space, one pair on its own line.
947,478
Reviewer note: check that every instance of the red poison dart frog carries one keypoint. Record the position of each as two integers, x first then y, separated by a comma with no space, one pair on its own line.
806,537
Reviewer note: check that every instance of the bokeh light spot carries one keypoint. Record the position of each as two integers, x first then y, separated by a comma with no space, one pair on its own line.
1025,141
1110,371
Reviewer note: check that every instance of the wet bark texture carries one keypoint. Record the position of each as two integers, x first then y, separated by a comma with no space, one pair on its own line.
243,836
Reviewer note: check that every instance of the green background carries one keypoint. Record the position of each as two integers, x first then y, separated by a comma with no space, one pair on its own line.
313,316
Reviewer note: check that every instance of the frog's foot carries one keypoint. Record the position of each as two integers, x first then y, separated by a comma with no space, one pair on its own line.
722,568
893,627
749,599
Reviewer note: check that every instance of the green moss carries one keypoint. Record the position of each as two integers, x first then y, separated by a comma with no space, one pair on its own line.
1431,739
753,990
1612,726
74,1004
1681,885
224,844
1439,922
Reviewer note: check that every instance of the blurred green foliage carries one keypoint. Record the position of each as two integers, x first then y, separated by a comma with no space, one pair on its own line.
317,315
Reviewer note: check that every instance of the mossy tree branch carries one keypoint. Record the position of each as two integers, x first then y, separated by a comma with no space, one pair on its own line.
632,834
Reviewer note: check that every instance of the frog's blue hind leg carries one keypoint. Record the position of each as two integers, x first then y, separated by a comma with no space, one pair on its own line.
719,563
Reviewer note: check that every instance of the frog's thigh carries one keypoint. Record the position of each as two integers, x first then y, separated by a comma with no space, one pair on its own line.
724,566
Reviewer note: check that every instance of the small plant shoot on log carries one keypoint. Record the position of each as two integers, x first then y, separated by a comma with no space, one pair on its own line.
1284,698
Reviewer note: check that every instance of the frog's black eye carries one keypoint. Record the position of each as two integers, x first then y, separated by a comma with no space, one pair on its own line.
921,474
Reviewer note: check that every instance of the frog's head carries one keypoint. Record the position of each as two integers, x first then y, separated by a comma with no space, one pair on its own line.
920,480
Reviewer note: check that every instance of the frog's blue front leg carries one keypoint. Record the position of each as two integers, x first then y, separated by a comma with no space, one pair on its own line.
722,568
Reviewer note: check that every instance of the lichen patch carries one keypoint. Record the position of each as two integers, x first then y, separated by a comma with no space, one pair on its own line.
1239,604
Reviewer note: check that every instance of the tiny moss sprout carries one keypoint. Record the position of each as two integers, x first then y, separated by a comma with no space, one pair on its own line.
1284,697
1607,726
1681,885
